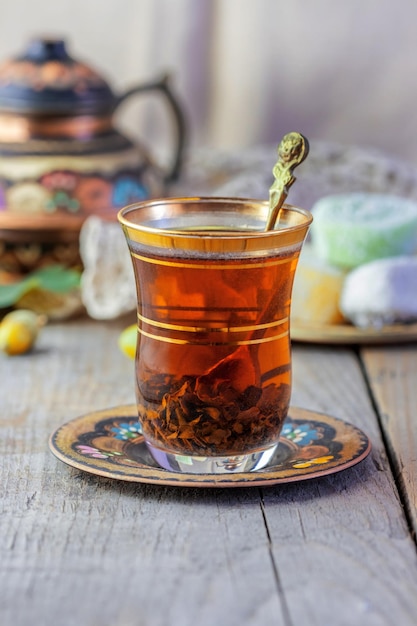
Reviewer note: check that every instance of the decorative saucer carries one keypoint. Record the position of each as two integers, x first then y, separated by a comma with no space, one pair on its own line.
109,443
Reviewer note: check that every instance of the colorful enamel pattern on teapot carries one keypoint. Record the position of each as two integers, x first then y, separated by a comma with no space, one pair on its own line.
61,157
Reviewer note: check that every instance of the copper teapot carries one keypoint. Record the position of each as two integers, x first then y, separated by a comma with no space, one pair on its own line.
61,157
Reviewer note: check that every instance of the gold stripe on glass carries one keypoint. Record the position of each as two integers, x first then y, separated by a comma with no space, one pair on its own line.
215,266
209,329
247,342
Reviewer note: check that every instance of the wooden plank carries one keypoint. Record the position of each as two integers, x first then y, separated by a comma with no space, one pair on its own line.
392,373
341,546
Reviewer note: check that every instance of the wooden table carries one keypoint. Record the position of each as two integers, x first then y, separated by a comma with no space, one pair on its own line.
82,550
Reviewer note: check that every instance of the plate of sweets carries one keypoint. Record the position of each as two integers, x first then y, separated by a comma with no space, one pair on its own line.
356,280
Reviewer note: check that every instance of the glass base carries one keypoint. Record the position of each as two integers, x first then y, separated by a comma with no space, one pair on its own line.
211,464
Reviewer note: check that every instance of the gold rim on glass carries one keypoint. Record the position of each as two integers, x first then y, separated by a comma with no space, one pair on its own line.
198,233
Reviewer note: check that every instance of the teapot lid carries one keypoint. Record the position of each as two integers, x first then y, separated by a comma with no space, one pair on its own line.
46,80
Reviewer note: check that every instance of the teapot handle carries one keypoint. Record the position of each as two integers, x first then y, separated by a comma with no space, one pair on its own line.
163,86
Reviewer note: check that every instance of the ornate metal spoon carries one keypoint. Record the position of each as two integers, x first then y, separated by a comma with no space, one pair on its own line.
292,151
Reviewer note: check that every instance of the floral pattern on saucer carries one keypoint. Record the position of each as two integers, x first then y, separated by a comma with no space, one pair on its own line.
109,443
302,444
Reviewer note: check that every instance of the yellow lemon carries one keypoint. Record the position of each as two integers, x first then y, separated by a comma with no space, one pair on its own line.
127,341
19,330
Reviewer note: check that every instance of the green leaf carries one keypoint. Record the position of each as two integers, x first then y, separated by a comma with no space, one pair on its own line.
10,294
57,278
54,278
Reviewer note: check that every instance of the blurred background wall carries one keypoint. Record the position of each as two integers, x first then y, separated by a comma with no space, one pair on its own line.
247,71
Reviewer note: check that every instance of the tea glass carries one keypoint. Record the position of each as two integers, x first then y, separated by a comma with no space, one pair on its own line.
213,356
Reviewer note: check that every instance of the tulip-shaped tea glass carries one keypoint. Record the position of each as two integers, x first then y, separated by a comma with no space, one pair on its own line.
213,356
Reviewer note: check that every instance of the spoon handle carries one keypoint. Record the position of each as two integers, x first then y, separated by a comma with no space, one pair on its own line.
292,151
